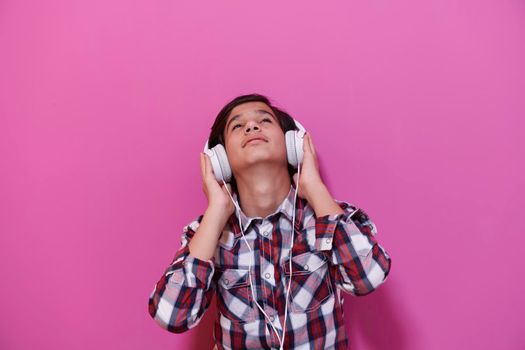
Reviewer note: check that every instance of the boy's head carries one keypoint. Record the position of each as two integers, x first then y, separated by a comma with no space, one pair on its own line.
249,115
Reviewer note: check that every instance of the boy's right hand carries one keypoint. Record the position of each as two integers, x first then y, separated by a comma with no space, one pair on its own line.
218,199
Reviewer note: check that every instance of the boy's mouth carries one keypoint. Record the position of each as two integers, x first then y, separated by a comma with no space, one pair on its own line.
255,139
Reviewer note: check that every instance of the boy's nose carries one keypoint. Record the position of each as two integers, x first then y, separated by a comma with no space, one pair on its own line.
251,126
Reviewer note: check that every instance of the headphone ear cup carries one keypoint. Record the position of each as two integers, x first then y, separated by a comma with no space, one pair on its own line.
291,146
220,164
299,138
214,164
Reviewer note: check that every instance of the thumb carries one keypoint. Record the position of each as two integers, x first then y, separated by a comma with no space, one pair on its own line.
295,179
228,188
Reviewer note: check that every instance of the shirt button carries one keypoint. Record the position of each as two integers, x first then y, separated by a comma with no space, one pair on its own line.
267,276
328,240
266,233
272,318
306,267
226,282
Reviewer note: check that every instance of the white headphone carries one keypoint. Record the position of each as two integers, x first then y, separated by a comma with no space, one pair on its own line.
222,170
221,166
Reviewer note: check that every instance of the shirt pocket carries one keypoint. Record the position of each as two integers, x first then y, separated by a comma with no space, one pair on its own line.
311,284
235,299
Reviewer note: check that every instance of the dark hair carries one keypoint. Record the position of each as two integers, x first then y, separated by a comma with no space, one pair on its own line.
216,137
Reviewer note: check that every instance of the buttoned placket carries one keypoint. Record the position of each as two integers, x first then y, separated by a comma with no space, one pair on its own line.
265,232
267,273
267,268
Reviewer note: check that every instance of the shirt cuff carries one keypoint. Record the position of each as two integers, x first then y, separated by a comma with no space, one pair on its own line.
324,231
195,273
326,225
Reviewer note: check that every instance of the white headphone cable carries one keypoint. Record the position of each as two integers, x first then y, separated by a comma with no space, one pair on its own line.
281,340
238,209
290,259
251,264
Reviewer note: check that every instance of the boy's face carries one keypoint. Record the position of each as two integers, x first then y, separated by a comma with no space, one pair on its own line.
253,135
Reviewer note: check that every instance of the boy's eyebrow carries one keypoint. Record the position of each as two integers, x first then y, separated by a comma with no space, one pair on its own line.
259,111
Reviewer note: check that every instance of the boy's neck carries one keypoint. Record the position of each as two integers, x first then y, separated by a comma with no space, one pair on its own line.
262,190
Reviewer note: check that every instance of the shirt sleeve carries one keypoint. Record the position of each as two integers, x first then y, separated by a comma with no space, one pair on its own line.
184,292
360,264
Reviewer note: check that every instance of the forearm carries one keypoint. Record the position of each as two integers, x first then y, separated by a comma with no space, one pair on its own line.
184,291
322,202
182,295
204,242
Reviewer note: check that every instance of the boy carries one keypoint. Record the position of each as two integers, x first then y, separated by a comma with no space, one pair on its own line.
240,247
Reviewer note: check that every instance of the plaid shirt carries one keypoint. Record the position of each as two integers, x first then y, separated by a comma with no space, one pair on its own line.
332,253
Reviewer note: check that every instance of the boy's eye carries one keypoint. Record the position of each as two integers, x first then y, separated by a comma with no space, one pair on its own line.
239,125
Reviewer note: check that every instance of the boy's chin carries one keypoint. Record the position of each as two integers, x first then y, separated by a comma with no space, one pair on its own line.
261,161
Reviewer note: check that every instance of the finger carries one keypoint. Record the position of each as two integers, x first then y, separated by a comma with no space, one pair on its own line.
208,169
306,148
311,144
316,160
308,143
203,165
206,178
227,188
312,155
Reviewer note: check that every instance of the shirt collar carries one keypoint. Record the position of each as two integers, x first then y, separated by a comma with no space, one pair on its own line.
286,208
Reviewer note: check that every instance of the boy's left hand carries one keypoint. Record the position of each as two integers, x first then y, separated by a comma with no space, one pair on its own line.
310,180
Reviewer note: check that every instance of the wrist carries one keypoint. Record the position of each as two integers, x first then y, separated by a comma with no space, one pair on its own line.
217,214
323,203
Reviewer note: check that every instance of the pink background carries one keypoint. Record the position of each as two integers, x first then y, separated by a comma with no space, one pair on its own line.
416,109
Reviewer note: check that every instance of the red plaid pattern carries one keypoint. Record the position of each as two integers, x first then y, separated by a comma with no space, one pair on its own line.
331,254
